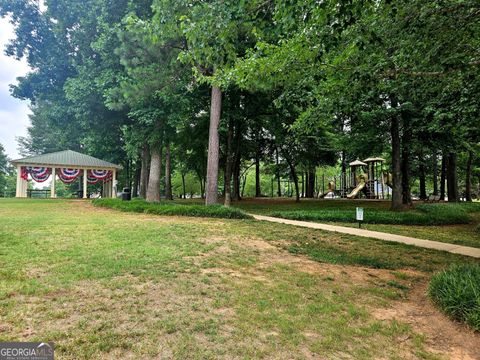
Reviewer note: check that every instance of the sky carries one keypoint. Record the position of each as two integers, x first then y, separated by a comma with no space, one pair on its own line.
13,112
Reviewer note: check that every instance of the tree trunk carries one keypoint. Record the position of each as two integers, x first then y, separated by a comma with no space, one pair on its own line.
244,182
311,183
168,173
344,175
279,185
136,182
236,163
153,189
211,195
396,162
258,189
183,186
236,180
295,179
307,183
405,164
144,172
443,176
435,174
202,188
302,193
452,182
423,190
468,179
229,165
478,187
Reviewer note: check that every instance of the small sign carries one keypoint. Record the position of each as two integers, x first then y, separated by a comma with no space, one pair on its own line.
359,215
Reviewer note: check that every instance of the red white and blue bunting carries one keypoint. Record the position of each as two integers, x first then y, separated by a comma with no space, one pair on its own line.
40,174
91,179
40,171
99,174
37,173
68,175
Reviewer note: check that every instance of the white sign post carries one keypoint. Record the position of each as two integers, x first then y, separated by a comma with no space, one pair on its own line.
359,216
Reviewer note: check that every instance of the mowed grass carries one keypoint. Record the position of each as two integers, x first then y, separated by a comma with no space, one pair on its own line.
452,223
104,284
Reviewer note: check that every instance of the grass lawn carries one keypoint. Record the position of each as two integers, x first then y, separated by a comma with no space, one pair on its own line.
104,284
452,223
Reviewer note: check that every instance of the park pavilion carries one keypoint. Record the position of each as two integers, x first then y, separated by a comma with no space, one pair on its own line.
67,166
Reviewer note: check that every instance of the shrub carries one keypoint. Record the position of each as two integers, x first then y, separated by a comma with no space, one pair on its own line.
424,214
170,208
456,291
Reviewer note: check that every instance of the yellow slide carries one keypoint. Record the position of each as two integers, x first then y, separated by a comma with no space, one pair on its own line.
355,191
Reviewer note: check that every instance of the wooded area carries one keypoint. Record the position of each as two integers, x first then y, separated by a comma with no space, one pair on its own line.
202,91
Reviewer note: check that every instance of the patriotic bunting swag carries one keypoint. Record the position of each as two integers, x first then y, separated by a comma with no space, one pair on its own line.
93,176
91,179
39,174
99,174
68,175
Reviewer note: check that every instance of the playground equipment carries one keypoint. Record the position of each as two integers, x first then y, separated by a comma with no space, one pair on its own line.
365,178
388,179
330,191
362,182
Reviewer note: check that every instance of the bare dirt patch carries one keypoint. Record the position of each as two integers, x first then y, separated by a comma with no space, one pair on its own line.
443,335
271,255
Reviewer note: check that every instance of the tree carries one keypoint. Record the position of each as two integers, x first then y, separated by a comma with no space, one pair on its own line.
211,35
5,171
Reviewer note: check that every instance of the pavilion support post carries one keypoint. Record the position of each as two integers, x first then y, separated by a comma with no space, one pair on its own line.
84,183
24,188
53,193
114,184
22,185
18,189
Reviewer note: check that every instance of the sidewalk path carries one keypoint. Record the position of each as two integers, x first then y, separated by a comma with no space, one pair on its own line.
429,244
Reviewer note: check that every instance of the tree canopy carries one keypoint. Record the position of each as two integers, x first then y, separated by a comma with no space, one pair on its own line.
209,90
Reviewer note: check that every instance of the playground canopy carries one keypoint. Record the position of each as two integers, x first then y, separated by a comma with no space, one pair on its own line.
67,165
357,163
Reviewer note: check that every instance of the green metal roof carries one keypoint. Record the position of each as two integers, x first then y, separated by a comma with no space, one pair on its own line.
66,158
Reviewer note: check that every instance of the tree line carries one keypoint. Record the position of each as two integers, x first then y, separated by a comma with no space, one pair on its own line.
213,88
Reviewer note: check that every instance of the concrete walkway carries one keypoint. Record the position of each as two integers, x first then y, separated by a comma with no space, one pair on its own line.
429,244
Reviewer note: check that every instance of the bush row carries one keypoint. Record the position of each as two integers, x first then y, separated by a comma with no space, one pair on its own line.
168,208
425,214
456,291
